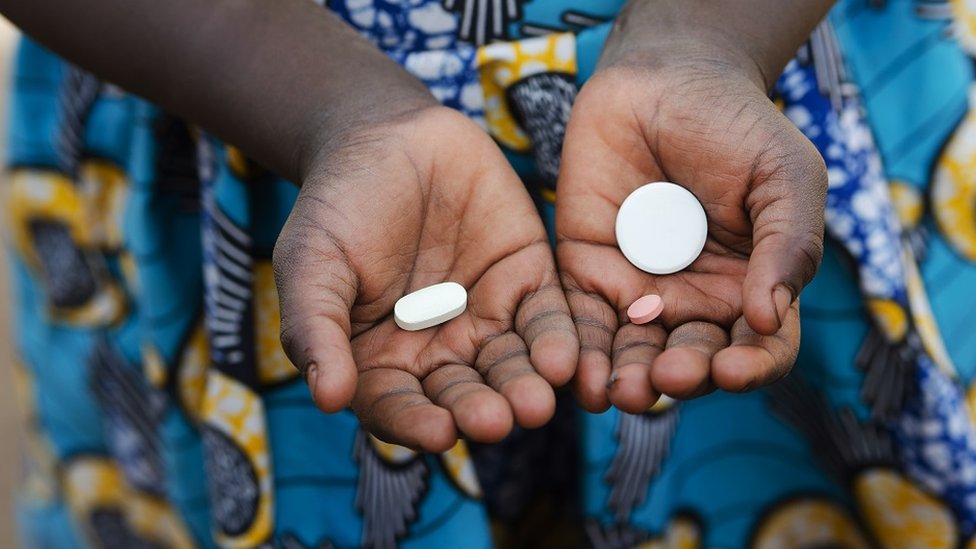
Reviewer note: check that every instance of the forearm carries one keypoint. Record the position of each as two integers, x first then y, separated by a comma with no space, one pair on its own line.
275,78
760,36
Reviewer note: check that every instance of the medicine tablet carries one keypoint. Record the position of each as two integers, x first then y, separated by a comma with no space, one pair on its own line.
661,228
430,306
645,309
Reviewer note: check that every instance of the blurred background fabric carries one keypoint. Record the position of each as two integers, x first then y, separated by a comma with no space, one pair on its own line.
9,418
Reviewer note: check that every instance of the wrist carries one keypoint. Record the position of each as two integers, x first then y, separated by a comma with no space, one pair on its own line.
418,128
753,38
372,113
657,42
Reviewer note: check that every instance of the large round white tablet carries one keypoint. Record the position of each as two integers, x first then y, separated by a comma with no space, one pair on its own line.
430,306
661,228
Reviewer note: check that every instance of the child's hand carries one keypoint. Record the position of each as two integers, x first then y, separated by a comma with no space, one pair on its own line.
731,318
423,199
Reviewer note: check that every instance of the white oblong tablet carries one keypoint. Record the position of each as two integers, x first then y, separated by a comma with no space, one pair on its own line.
430,306
661,228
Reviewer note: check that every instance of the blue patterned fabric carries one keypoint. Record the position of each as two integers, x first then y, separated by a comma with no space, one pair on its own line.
154,385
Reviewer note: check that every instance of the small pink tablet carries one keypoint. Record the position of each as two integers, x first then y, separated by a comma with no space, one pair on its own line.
645,309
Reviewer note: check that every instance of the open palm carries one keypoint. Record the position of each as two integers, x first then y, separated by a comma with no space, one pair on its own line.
424,200
730,319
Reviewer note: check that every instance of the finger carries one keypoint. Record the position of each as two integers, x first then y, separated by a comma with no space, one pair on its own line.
683,370
505,365
754,360
544,322
593,299
391,404
480,413
634,349
786,205
596,323
316,291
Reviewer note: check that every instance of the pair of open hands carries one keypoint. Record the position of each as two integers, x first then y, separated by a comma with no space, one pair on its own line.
427,197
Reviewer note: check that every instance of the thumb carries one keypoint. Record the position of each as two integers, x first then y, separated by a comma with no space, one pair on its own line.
316,291
786,206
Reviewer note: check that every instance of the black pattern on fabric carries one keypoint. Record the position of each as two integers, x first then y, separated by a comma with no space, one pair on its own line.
823,51
917,238
482,21
228,279
388,494
173,391
232,483
79,90
644,441
889,371
940,10
291,541
530,466
843,444
68,276
541,104
614,536
582,20
574,21
113,532
176,161
130,418
888,365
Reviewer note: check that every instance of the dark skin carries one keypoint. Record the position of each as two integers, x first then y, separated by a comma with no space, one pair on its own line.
680,95
402,207
399,193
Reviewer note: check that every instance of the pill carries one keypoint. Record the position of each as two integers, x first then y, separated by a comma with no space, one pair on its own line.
645,309
430,306
661,228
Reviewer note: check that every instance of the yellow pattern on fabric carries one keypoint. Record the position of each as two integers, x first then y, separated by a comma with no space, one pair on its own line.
925,324
681,533
684,534
127,264
391,453
663,404
40,195
809,523
457,462
272,364
954,188
105,189
91,209
900,515
503,63
107,308
964,16
231,408
548,195
237,162
94,483
153,366
908,202
37,194
971,401
192,371
890,317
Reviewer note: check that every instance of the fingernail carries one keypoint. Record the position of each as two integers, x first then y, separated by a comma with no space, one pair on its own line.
782,298
311,373
612,380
